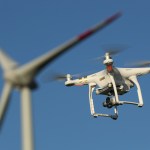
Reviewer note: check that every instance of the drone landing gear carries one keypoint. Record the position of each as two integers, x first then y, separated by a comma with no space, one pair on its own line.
114,101
95,115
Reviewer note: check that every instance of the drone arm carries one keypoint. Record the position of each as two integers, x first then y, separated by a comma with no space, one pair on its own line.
91,89
135,81
76,82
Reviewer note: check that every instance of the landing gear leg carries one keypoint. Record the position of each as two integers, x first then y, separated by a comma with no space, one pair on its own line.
91,89
115,89
135,81
115,116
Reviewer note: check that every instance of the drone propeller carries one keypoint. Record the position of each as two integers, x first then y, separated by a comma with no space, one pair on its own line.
59,77
112,50
54,77
140,64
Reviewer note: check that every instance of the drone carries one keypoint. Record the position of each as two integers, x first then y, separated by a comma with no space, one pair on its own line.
111,82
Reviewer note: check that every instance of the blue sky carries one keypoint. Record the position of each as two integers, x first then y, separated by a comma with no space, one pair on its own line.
61,115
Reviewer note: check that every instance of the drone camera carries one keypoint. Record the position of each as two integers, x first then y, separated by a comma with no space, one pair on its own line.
109,103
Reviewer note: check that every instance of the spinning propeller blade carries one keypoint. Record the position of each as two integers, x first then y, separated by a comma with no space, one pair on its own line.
60,76
113,49
140,64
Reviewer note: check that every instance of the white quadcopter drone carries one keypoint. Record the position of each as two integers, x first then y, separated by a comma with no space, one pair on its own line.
111,82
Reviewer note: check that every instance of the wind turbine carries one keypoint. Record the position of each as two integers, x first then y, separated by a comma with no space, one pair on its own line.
23,78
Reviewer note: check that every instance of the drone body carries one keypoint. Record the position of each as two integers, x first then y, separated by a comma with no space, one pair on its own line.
111,82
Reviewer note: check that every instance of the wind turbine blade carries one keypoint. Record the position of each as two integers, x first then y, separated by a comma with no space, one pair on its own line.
6,62
76,40
42,61
5,100
27,132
